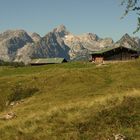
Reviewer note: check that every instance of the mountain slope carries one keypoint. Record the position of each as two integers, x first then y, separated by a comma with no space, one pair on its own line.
51,45
71,101
36,37
80,45
11,41
128,42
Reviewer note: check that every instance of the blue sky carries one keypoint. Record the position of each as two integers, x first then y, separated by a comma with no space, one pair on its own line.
79,16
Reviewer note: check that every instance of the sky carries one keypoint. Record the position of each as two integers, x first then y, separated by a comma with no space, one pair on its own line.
101,17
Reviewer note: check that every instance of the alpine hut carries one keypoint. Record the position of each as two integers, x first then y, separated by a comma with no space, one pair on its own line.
115,53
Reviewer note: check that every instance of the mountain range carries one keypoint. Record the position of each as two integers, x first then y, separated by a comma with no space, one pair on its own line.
20,46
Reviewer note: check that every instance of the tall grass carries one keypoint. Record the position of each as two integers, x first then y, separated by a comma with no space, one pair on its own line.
73,101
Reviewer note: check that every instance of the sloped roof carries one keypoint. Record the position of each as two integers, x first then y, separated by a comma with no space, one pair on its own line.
47,61
112,48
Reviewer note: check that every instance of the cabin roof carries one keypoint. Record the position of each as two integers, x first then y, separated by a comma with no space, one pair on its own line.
47,61
112,48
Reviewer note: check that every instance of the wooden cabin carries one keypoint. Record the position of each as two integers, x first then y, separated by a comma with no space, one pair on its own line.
45,61
114,53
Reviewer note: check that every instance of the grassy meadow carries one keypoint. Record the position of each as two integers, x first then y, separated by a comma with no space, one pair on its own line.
71,101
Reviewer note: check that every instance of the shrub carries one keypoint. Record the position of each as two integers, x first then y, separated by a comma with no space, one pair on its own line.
20,92
14,64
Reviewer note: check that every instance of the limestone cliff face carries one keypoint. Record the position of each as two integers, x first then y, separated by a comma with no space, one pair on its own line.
128,41
36,37
11,41
18,45
80,45
51,45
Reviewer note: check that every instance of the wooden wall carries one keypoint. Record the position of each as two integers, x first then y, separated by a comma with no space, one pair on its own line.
119,54
116,54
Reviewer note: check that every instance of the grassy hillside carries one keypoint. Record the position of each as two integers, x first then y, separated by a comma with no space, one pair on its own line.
72,101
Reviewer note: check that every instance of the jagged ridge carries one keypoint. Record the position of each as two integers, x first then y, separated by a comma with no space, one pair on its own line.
18,45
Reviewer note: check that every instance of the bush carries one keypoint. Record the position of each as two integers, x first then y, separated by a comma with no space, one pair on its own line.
14,64
20,92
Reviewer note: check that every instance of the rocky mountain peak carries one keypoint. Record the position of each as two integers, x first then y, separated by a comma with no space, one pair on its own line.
127,41
11,41
92,36
61,28
137,39
36,37
61,31
9,34
106,42
125,37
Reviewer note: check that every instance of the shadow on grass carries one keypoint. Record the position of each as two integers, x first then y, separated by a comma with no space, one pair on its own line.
21,92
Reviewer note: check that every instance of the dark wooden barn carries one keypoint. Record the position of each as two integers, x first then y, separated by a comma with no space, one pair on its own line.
115,53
